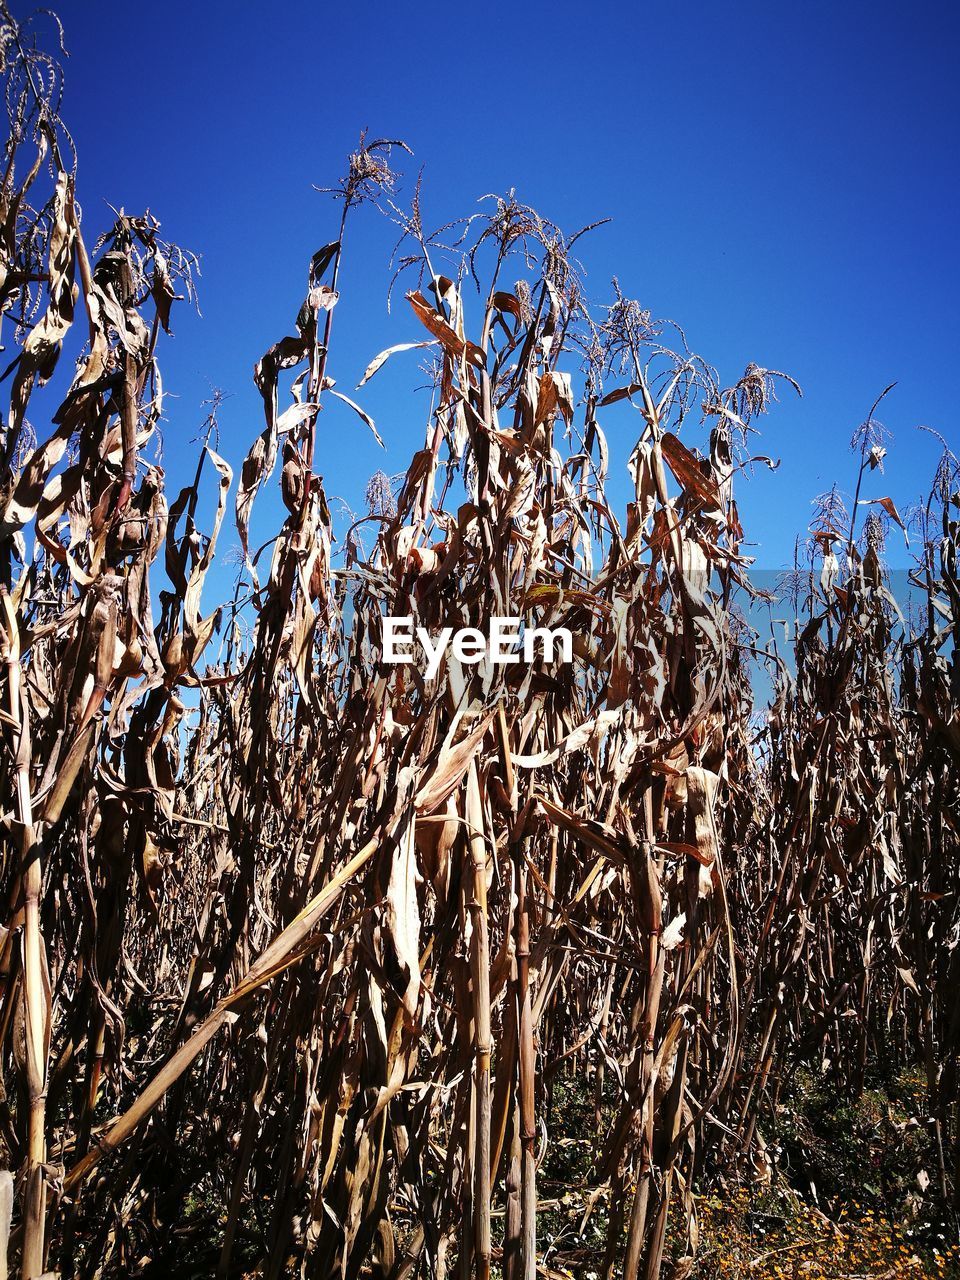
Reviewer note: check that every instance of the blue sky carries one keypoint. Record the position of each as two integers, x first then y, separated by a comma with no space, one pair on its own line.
782,181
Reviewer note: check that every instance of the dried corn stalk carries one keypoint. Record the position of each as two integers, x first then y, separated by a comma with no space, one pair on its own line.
296,942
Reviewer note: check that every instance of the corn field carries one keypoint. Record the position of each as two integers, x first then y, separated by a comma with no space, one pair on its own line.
295,944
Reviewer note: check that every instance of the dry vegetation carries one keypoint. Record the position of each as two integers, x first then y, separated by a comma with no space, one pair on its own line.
300,953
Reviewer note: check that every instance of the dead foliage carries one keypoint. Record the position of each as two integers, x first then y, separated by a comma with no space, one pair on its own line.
293,941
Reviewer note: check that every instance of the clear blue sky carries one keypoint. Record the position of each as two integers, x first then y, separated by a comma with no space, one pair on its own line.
782,181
